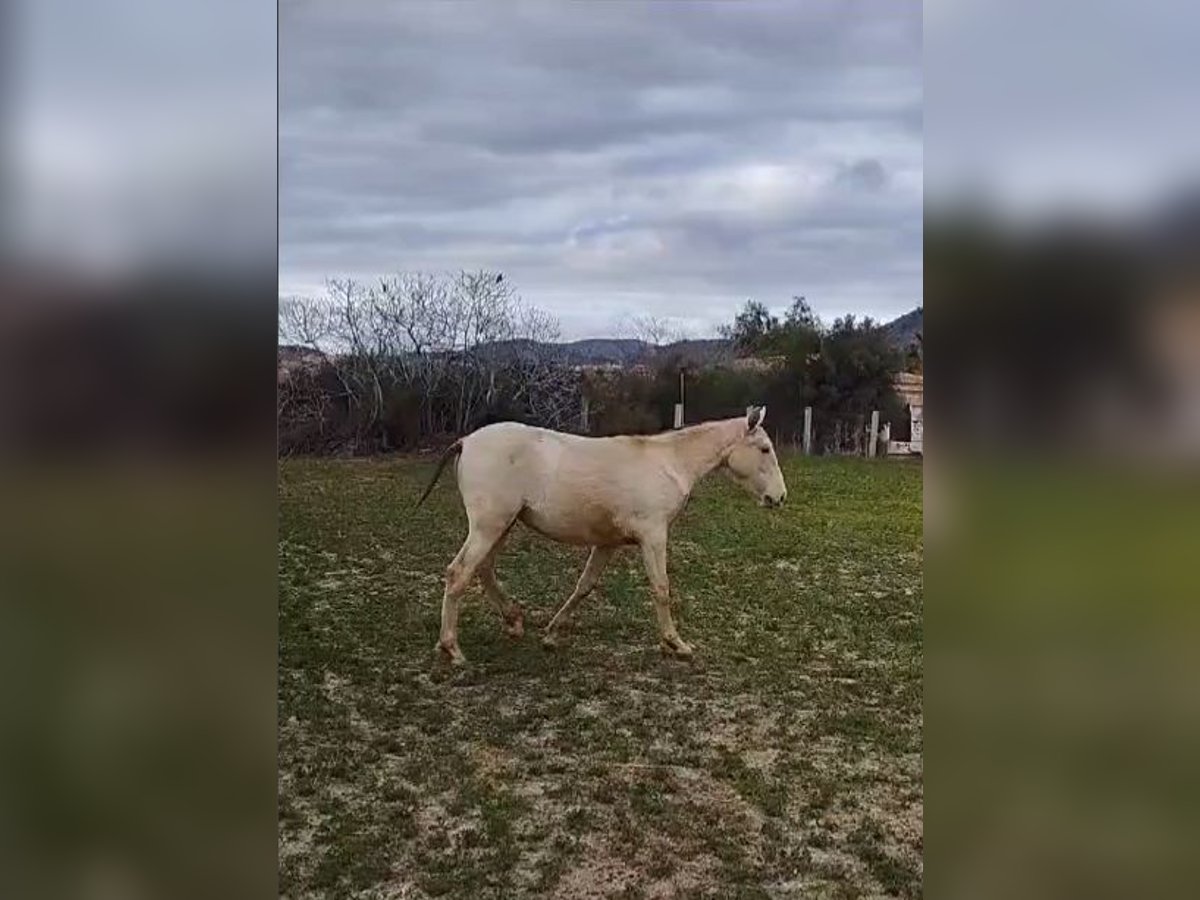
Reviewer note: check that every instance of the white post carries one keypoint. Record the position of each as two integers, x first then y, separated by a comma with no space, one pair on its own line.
887,438
874,436
679,406
807,430
583,414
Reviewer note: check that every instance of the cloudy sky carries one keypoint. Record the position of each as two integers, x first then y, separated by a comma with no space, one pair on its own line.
612,159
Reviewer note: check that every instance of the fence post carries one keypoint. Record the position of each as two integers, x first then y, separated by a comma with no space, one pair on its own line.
807,430
874,435
679,405
583,414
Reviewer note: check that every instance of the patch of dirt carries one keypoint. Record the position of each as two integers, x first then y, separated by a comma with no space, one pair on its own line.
492,763
596,875
689,878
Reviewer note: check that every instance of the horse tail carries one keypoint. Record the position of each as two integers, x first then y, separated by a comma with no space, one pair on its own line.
453,450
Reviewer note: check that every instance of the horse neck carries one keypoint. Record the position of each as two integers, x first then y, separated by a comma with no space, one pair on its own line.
702,448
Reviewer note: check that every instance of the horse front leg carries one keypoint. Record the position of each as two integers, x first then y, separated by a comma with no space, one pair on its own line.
654,555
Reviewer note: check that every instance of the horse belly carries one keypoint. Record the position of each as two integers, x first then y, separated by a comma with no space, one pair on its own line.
583,525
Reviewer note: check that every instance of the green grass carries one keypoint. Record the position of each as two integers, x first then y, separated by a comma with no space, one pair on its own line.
785,760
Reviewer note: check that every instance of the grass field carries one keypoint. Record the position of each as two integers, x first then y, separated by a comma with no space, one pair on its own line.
784,761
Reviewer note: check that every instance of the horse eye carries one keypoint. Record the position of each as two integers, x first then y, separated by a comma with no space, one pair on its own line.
766,449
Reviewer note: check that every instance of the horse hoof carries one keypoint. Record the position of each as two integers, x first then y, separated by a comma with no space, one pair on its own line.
452,654
677,648
515,628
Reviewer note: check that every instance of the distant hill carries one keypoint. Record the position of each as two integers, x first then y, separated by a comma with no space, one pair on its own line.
904,330
603,350
615,351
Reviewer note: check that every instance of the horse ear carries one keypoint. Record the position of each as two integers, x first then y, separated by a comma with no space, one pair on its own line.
754,417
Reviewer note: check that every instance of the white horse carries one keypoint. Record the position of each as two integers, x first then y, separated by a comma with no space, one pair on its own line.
597,492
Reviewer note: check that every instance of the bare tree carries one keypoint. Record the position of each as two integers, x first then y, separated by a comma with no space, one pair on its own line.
414,314
543,381
305,322
655,331
510,345
357,333
453,345
301,402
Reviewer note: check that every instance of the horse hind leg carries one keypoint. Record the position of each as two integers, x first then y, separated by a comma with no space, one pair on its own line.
511,613
481,540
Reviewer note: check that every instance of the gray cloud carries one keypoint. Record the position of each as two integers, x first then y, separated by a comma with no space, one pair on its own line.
610,158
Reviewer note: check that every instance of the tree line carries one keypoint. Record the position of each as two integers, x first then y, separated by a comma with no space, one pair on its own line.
417,358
